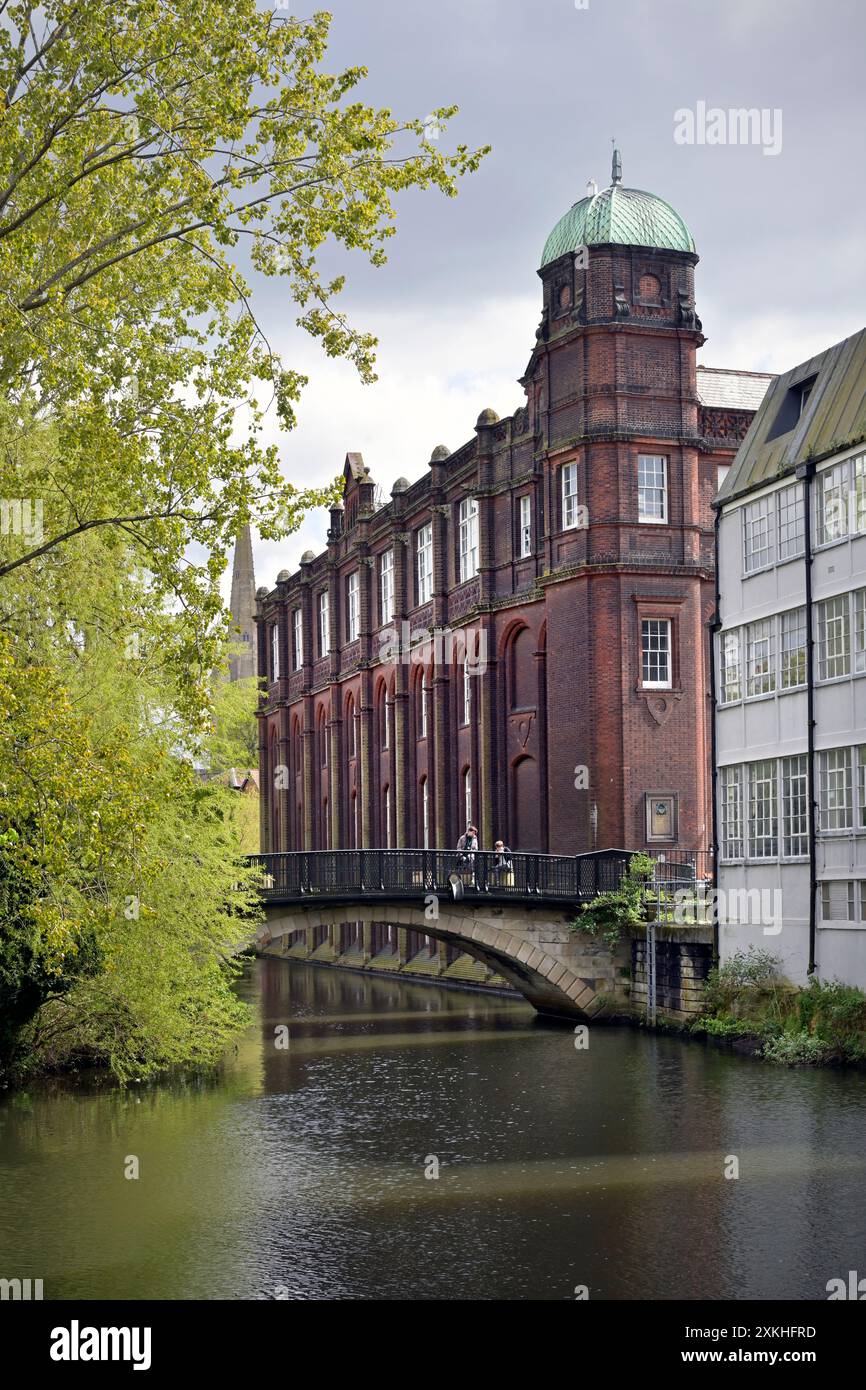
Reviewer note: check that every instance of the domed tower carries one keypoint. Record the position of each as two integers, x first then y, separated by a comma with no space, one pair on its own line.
627,485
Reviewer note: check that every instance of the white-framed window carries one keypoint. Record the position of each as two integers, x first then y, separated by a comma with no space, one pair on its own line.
837,900
832,504
353,606
656,653
570,513
324,623
792,522
860,630
858,494
467,533
424,711
386,723
525,526
834,638
297,638
386,811
652,487
424,562
763,816
425,814
732,669
795,806
275,651
761,657
386,588
861,788
467,796
467,695
835,786
793,629
758,549
731,790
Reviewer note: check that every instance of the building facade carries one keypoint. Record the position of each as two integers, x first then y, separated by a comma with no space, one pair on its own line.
519,638
791,675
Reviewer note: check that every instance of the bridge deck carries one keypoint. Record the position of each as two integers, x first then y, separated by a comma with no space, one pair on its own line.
349,874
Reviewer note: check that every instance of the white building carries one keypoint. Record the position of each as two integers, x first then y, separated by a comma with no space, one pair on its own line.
790,675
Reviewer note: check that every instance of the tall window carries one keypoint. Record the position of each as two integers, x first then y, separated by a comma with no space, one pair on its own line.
731,785
860,630
525,526
758,534
656,652
353,606
835,789
386,588
858,494
424,561
795,806
297,638
386,812
763,830
425,814
732,676
468,538
423,722
861,789
792,522
467,695
652,487
467,797
324,623
761,657
386,722
793,648
832,504
834,638
570,515
275,652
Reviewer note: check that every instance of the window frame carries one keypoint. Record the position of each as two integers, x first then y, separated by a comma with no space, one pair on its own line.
386,587
424,571
467,540
568,497
645,488
353,606
666,623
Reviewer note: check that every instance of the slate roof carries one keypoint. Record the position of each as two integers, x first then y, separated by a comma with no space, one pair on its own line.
731,390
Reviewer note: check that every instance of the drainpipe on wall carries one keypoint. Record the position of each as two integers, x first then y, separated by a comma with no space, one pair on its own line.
714,627
805,473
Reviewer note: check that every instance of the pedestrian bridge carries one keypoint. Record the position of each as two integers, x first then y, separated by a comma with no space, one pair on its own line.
514,917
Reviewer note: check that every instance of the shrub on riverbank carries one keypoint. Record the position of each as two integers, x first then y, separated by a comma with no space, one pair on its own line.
825,1022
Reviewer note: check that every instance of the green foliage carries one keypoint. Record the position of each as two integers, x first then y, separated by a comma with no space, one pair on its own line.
610,914
233,741
141,144
824,1022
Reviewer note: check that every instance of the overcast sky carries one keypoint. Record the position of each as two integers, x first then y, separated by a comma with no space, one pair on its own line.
781,238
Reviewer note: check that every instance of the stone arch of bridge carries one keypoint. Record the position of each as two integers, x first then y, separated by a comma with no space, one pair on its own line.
507,942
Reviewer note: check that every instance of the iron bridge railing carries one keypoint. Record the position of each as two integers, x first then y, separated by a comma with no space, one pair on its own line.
346,874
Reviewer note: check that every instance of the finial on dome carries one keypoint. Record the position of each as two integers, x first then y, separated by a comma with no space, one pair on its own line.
615,165
591,188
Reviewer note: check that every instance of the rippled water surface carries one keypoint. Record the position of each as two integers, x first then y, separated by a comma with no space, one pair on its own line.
300,1172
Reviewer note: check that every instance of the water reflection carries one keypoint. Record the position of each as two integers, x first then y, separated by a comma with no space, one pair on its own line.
299,1170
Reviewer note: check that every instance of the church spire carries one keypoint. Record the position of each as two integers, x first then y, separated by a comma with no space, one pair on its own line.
243,606
615,166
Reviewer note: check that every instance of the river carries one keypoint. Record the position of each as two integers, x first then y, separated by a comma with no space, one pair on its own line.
301,1171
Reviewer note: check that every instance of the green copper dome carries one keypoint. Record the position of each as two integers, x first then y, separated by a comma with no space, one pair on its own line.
623,216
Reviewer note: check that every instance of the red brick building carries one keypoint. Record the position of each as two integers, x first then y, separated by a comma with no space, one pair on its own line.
520,637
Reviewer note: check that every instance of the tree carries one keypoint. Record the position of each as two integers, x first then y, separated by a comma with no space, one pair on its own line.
140,145
234,740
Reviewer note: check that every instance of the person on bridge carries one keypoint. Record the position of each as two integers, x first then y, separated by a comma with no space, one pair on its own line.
467,845
502,865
